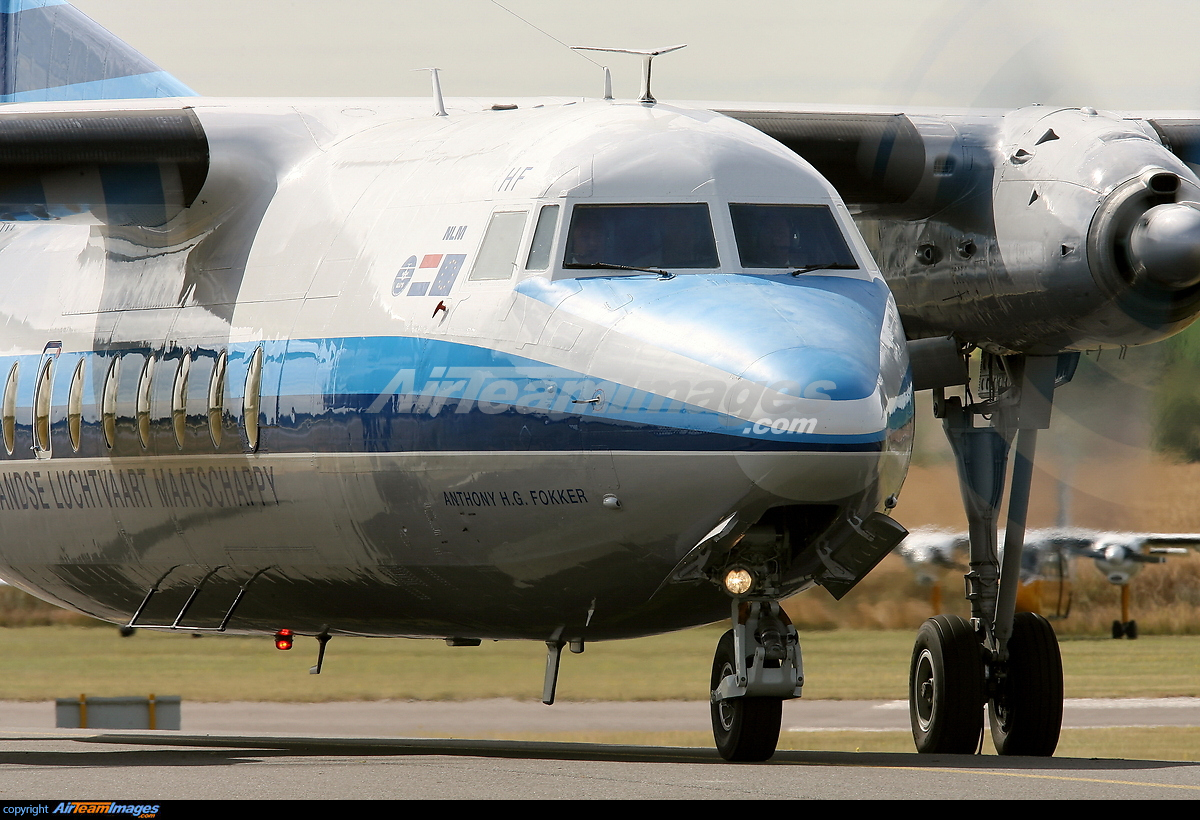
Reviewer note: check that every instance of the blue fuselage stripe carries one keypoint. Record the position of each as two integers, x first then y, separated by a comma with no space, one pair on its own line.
398,394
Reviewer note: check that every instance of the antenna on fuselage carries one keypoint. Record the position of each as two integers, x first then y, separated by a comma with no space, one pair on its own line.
437,92
648,56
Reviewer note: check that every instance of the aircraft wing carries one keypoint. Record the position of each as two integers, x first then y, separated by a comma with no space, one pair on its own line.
1135,546
1154,542
933,546
879,156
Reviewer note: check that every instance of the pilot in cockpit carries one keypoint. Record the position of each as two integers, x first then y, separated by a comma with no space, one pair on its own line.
586,245
774,242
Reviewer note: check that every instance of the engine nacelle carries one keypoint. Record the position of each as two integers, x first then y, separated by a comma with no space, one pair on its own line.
1033,231
1087,236
1110,217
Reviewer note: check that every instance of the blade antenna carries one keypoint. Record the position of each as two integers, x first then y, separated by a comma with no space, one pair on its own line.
647,56
439,106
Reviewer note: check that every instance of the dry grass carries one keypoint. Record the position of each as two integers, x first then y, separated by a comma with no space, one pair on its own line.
18,608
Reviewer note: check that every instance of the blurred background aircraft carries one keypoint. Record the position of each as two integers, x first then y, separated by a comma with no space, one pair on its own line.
1046,566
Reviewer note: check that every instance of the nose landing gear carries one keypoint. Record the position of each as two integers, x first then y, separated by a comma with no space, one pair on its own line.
745,728
756,667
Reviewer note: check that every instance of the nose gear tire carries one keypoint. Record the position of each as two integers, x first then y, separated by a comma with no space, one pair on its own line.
745,729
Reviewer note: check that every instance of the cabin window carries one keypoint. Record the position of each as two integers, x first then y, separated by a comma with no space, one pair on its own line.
789,236
179,398
251,399
75,406
497,255
41,407
10,410
216,399
543,239
143,401
108,403
641,236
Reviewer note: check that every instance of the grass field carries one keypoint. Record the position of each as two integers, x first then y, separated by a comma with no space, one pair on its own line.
38,663
41,663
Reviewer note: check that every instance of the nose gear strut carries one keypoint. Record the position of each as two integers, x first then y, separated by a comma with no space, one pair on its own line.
757,666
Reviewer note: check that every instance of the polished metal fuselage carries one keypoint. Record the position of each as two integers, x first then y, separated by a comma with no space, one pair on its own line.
289,403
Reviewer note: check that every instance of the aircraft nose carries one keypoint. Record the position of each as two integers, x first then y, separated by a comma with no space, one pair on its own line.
819,371
766,362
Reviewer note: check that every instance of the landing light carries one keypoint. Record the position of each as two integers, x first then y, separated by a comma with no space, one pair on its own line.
738,581
283,639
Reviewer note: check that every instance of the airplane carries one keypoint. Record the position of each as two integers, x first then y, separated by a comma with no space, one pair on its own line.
551,369
1045,579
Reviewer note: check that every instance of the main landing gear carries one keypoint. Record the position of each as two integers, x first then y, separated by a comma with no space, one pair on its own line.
1126,627
1009,661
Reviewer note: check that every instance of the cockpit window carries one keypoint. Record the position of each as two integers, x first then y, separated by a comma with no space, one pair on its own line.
789,236
543,238
498,251
641,236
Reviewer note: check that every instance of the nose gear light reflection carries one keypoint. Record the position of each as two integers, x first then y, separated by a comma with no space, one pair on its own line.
738,581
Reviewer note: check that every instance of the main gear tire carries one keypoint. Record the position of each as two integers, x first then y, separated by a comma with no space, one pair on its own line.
946,688
1026,709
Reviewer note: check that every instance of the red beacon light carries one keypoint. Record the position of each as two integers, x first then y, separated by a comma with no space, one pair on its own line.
283,639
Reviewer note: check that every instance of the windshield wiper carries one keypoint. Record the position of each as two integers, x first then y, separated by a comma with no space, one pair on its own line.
822,266
662,274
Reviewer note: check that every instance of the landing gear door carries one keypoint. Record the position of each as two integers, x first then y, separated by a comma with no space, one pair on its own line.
854,551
